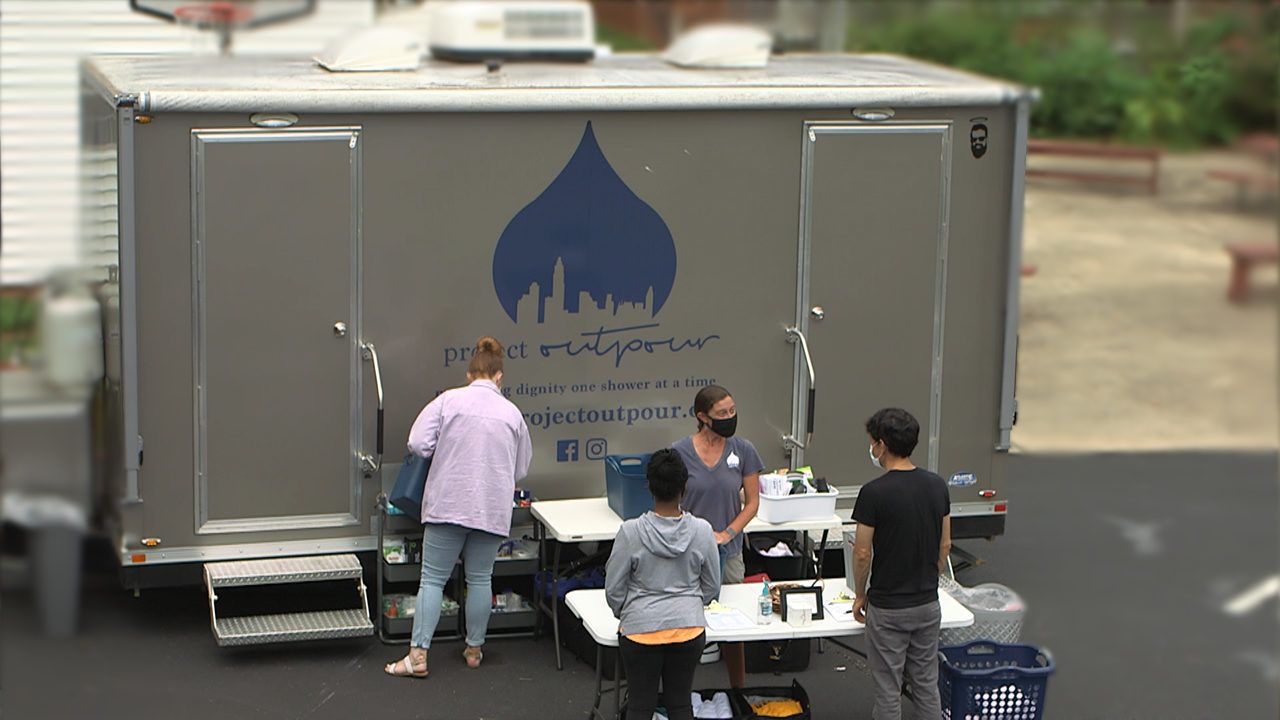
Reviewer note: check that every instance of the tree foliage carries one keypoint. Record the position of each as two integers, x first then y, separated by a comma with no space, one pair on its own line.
1139,85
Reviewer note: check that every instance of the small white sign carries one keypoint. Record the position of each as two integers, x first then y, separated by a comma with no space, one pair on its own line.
963,479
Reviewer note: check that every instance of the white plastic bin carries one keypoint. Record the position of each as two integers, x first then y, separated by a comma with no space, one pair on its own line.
810,506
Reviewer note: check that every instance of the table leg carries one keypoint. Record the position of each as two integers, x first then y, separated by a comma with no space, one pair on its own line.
595,707
617,680
1238,287
822,551
555,597
967,559
822,555
540,603
377,595
596,712
846,646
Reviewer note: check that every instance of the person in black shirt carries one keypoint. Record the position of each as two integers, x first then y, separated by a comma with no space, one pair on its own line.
902,542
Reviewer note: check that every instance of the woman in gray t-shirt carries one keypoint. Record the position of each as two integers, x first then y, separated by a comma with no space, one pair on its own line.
720,465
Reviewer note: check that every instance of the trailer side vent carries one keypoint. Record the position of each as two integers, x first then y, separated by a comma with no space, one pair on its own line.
297,576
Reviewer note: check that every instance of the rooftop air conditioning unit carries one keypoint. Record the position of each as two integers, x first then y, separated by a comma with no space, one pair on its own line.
480,30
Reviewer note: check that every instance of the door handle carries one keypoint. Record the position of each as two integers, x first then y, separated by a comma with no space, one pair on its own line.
367,462
790,441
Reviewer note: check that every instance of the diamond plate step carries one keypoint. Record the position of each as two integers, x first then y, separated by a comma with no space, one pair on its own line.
288,627
283,570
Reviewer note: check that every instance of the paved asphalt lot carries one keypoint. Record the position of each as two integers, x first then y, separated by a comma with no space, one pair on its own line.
1126,562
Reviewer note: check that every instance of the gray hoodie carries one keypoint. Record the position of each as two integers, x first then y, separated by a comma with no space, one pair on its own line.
661,573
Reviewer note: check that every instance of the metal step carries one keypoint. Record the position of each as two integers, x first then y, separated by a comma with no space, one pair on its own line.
283,570
288,627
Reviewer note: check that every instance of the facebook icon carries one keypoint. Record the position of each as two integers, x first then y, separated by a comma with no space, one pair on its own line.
566,451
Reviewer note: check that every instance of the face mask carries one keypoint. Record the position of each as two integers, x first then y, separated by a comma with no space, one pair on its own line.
724,427
872,452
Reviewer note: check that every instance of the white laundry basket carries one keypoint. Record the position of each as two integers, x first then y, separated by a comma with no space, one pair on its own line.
1002,626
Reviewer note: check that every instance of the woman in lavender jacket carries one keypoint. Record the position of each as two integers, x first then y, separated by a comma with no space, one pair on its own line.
480,449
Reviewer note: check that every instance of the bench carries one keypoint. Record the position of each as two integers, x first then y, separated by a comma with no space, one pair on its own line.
1151,155
1264,146
1244,255
1244,181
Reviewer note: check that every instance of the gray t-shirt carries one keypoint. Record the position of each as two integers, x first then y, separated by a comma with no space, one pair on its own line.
712,492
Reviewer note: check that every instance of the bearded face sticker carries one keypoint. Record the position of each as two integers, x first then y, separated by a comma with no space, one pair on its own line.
978,138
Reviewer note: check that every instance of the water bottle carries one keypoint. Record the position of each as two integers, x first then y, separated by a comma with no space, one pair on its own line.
766,606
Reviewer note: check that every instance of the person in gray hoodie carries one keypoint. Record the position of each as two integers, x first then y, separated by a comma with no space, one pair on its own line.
663,569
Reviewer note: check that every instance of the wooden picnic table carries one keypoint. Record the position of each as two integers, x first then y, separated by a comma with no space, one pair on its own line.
1097,150
1244,256
1263,145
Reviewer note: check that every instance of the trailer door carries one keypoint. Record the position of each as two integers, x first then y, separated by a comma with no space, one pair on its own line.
276,271
872,281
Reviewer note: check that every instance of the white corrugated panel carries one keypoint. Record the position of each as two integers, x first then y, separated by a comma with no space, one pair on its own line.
41,43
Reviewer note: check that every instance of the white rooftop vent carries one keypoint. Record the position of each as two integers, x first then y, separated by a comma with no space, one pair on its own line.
373,49
721,46
479,30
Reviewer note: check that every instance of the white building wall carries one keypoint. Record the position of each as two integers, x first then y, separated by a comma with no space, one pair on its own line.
41,43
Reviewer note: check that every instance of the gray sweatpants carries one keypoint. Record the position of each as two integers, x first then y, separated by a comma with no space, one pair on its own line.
904,639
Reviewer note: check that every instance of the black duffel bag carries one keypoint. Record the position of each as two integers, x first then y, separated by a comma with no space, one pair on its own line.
777,656
795,692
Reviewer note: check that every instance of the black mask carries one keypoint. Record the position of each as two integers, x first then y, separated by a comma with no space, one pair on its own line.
724,427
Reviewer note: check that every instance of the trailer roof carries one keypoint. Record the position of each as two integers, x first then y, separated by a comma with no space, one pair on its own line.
167,83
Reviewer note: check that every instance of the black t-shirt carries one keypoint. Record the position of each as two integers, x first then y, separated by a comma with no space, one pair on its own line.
906,508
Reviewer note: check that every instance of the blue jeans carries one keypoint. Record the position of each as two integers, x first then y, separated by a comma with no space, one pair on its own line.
441,546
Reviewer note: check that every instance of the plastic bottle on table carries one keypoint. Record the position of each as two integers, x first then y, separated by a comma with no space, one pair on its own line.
766,606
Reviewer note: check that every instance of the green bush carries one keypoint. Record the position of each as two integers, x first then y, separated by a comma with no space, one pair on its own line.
1218,82
965,40
1086,87
621,41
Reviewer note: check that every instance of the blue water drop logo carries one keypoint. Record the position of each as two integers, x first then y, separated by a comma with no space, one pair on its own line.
586,246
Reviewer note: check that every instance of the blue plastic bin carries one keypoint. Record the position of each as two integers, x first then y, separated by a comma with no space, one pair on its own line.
626,485
993,681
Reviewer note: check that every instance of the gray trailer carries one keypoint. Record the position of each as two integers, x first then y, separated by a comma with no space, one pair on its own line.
306,258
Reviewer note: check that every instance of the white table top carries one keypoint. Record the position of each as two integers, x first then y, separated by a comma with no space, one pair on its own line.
598,619
591,519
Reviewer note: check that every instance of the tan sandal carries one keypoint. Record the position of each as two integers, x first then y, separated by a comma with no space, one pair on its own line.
404,667
473,656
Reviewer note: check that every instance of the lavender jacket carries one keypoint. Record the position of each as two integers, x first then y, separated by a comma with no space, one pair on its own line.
480,449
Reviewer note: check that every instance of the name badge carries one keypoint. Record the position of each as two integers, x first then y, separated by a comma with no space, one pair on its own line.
733,461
